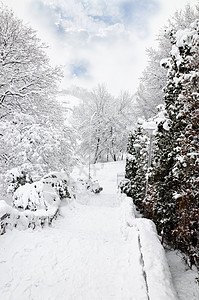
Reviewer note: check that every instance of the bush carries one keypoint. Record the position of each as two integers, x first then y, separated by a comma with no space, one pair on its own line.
30,196
43,194
60,182
83,185
17,177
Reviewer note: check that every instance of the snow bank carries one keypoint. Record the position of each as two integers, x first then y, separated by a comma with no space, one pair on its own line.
152,255
158,275
128,210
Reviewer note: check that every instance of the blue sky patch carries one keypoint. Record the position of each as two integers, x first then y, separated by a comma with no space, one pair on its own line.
79,70
109,20
136,13
60,29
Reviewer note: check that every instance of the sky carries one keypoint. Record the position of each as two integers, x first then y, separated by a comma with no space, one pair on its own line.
98,41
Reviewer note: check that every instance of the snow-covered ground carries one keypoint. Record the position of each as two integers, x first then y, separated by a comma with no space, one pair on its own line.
183,278
90,252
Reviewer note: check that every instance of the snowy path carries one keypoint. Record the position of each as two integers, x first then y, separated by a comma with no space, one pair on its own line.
85,255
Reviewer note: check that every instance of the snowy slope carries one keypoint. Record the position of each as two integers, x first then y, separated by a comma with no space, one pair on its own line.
90,252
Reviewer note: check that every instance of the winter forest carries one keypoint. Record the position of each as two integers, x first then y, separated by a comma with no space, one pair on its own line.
46,133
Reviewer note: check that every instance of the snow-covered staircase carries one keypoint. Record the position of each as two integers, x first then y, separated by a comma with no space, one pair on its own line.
96,249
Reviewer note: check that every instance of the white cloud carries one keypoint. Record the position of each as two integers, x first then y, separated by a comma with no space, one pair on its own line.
98,40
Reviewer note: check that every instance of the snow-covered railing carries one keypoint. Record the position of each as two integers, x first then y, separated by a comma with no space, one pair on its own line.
11,217
153,260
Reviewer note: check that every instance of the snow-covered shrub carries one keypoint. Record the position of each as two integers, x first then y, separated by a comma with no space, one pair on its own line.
17,177
30,196
59,182
11,217
89,185
47,192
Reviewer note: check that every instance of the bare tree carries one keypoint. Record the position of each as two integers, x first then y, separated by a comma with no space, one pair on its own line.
102,122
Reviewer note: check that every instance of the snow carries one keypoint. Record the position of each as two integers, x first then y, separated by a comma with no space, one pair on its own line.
158,281
96,249
183,37
29,195
82,257
68,102
157,271
11,218
165,63
183,278
149,125
131,157
176,53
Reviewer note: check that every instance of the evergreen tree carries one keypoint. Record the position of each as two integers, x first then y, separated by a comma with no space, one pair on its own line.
186,167
174,192
172,200
136,166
